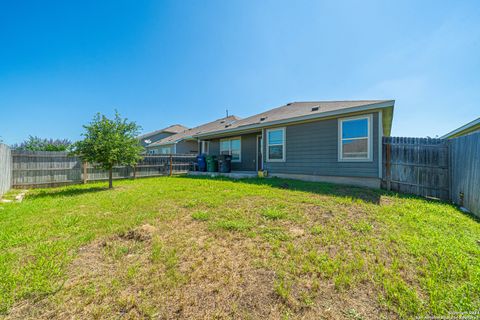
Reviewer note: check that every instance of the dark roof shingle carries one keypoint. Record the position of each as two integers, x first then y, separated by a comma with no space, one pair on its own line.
299,109
218,124
171,129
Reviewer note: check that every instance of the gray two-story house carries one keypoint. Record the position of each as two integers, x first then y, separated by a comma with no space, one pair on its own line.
332,141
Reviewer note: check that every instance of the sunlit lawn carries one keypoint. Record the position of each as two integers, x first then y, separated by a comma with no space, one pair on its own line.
212,248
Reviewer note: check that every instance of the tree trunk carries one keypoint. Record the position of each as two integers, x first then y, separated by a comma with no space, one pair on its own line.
110,179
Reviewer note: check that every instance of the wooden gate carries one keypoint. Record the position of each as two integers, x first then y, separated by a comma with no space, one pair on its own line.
416,165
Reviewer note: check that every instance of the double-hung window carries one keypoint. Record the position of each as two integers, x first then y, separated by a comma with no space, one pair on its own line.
276,144
355,138
233,147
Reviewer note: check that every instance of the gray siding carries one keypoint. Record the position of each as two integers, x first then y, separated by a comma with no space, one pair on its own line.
249,145
156,149
312,148
187,147
182,147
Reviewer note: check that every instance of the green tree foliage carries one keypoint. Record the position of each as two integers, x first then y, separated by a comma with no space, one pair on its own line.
41,144
109,142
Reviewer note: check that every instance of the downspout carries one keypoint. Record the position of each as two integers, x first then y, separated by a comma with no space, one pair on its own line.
380,144
263,150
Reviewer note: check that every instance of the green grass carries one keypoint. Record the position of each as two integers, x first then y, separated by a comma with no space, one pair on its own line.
201,215
412,256
273,213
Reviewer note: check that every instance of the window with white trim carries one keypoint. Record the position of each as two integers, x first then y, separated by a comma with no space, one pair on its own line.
276,144
233,147
205,146
355,139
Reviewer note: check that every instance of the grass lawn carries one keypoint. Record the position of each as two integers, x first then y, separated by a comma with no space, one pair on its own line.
178,247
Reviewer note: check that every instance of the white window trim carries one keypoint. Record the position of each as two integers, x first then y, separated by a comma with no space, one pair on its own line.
369,158
284,144
230,147
205,145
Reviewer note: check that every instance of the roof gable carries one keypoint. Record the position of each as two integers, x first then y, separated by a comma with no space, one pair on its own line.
218,124
171,129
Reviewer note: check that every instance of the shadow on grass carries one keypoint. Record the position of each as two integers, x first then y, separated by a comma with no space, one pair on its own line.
323,188
65,192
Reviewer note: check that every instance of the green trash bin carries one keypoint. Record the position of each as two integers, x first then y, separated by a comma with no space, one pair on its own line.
212,164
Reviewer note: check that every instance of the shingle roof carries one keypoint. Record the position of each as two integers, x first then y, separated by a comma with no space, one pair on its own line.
298,109
171,129
293,110
204,128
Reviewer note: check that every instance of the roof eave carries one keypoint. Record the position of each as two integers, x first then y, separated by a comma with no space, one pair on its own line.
156,144
385,104
459,131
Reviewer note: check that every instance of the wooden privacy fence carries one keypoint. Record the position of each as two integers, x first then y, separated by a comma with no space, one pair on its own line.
465,171
46,169
416,165
437,168
5,168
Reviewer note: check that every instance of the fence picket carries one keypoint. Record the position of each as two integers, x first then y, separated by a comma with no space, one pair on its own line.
5,168
465,171
416,165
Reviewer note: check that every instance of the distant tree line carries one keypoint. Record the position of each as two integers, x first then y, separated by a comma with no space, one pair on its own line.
34,143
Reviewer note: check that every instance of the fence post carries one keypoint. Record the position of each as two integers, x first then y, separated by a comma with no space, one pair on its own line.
85,173
388,169
171,164
134,172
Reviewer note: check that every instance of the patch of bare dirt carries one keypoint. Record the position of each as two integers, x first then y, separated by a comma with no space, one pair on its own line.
217,276
296,232
386,201
142,233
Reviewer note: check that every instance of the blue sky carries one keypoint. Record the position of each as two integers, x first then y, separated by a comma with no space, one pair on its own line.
165,62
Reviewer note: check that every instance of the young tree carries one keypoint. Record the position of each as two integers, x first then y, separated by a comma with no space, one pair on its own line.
109,142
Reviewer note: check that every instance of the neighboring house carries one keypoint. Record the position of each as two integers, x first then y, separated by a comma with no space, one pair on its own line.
184,142
463,130
337,141
154,136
